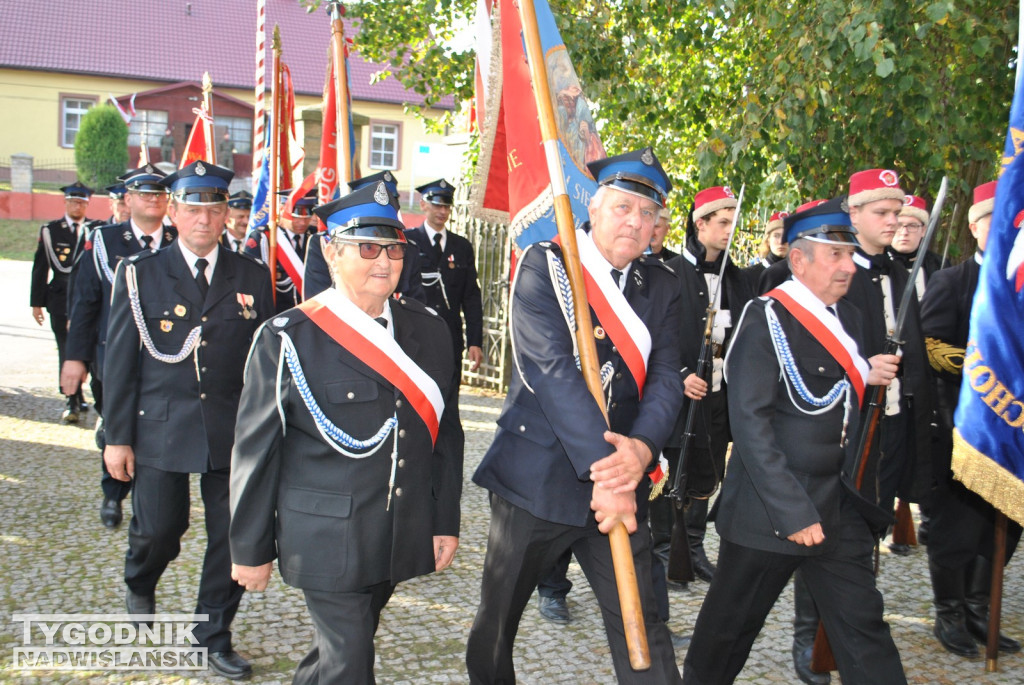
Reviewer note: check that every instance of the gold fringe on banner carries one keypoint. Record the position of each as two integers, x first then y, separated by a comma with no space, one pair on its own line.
982,475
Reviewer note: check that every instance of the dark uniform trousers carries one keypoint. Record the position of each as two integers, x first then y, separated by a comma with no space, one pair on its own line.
520,548
179,417
547,438
842,583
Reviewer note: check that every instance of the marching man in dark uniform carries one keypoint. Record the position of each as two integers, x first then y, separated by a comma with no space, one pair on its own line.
962,525
558,478
698,269
291,247
239,208
343,470
796,376
449,273
318,275
60,245
146,199
180,320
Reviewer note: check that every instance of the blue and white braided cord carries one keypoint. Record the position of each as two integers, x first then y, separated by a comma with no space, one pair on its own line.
99,248
337,438
140,323
795,381
563,293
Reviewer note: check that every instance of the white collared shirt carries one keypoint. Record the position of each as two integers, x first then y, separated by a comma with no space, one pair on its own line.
191,257
609,267
139,233
431,232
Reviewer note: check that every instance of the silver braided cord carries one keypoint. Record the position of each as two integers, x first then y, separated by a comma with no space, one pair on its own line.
191,342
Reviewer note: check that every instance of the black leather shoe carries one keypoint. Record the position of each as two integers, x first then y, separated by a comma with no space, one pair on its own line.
802,665
979,631
676,587
702,568
71,409
140,604
229,664
554,609
899,549
110,513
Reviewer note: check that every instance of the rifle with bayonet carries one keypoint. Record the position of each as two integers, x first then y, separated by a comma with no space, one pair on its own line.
822,659
680,565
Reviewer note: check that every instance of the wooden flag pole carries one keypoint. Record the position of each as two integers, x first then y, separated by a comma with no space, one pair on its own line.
211,145
341,93
622,553
276,128
995,606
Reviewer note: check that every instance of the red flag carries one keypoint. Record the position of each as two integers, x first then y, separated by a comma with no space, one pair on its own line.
298,192
291,154
327,170
197,145
513,183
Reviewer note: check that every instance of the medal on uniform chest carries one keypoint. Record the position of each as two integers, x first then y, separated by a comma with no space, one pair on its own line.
451,261
179,310
246,301
599,333
166,325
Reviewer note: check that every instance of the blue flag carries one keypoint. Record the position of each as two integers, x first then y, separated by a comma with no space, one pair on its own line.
988,453
260,215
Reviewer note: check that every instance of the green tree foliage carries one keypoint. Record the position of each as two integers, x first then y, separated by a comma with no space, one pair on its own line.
790,96
101,147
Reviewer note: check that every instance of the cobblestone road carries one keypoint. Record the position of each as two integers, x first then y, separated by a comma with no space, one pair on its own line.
55,557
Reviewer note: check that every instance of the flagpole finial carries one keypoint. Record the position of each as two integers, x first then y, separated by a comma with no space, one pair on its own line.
275,43
207,82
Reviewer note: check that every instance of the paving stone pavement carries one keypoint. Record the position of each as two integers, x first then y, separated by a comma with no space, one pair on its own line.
55,557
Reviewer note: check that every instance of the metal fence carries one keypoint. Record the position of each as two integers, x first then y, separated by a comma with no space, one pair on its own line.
492,249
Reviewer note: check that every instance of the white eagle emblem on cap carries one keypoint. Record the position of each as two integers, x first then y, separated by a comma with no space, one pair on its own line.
443,184
907,199
728,191
200,169
647,157
889,178
783,215
148,168
380,195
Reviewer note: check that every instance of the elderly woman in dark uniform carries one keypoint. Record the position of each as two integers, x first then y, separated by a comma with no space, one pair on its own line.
343,468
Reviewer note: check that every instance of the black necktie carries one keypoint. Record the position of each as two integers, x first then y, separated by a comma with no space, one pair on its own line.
204,285
382,321
437,248
832,311
74,227
617,277
298,244
147,242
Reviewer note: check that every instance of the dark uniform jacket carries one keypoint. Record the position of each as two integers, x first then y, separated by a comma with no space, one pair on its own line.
866,294
788,468
550,429
945,323
57,252
753,272
287,295
318,276
90,297
323,514
461,294
180,417
693,316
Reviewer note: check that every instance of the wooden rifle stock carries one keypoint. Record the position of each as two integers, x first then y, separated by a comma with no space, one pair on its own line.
680,564
903,532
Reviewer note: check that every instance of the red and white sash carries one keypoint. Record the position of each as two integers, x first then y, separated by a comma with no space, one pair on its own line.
290,260
825,328
371,343
624,328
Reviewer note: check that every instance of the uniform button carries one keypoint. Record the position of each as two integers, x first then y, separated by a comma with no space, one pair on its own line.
202,395
618,375
204,319
614,404
614,349
142,412
701,292
202,344
203,370
821,369
351,395
398,403
522,429
401,432
398,492
167,313
401,463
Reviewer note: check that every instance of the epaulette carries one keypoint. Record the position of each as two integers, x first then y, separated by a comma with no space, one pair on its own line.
655,262
248,257
285,320
139,256
416,307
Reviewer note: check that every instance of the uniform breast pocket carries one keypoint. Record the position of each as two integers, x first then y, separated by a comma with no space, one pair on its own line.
168,323
352,391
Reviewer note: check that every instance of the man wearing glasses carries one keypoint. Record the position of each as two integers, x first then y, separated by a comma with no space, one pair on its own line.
345,469
93,277
913,220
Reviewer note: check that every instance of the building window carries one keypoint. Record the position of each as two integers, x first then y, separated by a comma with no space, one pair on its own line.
240,129
384,146
72,110
151,121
